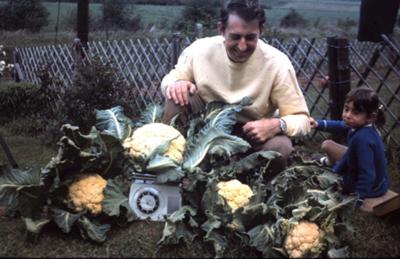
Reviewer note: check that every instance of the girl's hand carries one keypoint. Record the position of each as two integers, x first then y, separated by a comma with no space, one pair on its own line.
313,122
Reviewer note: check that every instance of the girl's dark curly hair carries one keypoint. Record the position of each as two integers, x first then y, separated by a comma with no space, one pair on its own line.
366,100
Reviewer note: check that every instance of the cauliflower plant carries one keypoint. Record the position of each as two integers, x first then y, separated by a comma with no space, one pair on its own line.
303,237
87,192
147,138
235,193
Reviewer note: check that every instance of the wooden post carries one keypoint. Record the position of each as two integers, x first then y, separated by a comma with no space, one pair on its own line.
78,52
17,73
176,48
7,151
83,21
339,78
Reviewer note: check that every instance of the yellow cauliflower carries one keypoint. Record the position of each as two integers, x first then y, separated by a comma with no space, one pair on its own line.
302,238
148,137
87,192
235,193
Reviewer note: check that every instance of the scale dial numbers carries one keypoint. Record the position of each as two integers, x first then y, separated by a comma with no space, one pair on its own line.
148,201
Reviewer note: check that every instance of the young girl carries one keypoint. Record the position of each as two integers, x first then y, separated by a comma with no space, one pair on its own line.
362,163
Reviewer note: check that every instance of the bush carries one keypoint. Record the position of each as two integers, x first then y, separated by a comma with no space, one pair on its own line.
96,86
116,14
23,14
198,11
346,23
48,106
14,99
293,19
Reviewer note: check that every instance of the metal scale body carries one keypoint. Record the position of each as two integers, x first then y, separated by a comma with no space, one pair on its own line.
150,200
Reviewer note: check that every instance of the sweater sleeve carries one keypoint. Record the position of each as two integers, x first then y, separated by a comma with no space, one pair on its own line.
183,70
288,97
366,167
332,126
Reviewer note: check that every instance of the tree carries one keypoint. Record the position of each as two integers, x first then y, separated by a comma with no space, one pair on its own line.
198,11
116,14
23,14
293,19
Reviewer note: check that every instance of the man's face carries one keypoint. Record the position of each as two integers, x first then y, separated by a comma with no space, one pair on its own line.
240,37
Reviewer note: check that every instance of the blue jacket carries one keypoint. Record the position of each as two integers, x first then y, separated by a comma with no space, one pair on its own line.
363,166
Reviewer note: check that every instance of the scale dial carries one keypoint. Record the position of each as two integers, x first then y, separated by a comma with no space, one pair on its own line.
148,201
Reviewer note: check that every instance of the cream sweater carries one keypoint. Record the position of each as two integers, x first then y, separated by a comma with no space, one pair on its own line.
268,77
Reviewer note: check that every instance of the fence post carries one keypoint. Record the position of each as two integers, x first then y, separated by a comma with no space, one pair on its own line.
18,74
199,30
339,78
176,48
7,151
77,51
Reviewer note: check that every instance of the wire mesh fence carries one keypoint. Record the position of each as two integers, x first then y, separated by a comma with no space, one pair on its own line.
142,63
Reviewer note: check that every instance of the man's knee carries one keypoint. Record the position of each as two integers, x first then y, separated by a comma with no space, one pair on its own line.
196,104
279,143
284,146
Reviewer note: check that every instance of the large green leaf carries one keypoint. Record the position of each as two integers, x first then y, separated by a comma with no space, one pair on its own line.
214,203
153,113
95,232
214,134
179,226
64,219
198,148
165,168
223,116
251,165
81,153
114,122
21,190
261,237
219,242
115,199
34,226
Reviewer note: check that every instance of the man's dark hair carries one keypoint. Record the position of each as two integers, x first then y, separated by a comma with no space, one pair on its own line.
248,10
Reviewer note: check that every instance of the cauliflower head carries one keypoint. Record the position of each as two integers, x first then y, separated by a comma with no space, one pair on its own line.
148,137
302,238
87,192
235,193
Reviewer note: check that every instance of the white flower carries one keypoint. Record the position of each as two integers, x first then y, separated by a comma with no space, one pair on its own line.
2,65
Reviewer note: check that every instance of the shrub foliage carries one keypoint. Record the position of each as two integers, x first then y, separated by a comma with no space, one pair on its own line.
52,104
23,14
293,19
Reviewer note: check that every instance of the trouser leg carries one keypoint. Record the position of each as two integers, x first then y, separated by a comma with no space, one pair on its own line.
196,104
281,144
278,143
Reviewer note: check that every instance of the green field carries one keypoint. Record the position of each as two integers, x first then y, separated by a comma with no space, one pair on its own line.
163,16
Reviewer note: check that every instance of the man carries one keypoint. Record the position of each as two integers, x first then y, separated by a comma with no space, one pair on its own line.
236,64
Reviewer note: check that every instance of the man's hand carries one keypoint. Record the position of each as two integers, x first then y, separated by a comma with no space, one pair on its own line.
179,92
261,130
313,122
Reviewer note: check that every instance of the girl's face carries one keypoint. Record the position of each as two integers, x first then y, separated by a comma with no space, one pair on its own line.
353,118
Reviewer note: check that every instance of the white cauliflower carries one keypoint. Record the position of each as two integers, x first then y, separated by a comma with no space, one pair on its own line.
235,193
87,192
148,137
303,237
